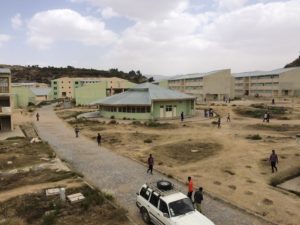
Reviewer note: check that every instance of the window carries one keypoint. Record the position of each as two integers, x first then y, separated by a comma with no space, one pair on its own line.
148,109
168,108
54,82
55,93
163,207
76,82
54,88
145,193
154,199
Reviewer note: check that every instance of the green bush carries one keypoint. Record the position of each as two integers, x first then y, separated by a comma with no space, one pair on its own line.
113,122
49,219
136,122
112,117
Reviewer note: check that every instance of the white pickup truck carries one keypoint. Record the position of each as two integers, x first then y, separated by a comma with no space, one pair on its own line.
161,204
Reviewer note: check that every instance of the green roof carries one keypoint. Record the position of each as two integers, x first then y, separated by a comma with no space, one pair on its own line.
143,94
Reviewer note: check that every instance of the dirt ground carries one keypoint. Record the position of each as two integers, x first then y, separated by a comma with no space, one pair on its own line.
227,162
27,170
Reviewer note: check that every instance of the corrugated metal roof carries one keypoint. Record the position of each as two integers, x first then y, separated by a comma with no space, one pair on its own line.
262,73
143,94
40,91
195,75
4,70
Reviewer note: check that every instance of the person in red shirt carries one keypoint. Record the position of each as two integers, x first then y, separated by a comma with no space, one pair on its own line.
190,187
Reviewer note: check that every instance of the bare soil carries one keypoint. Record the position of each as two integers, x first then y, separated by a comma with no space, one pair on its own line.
225,162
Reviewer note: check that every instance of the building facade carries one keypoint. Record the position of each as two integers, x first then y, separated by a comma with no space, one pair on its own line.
215,85
274,83
147,101
6,120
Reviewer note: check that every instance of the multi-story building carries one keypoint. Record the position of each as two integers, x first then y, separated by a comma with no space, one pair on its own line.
65,87
275,83
6,122
215,85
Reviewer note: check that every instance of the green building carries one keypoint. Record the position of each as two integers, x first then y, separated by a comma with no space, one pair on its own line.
23,96
147,101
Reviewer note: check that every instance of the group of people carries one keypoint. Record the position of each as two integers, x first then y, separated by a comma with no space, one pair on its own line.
208,113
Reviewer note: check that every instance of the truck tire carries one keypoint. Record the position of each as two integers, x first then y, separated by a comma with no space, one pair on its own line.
164,185
145,215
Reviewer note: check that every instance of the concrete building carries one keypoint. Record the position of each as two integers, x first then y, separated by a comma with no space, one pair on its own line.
26,95
274,83
213,85
147,101
30,85
6,121
67,87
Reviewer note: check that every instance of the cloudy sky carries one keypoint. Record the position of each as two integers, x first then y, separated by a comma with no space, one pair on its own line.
159,37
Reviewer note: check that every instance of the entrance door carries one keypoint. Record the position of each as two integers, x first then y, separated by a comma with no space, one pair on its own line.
161,111
169,111
174,111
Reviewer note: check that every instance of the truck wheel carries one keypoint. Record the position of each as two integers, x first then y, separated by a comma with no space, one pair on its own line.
145,216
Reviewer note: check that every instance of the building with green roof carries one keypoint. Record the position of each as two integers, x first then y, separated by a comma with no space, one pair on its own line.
147,101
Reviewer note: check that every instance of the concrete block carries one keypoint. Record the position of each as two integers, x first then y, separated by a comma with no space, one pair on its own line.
52,191
78,197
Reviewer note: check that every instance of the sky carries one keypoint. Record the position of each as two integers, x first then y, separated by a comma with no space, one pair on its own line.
157,37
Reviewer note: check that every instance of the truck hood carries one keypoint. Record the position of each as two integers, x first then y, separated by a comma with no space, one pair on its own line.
192,218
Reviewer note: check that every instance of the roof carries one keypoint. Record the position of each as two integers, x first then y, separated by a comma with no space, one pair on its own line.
262,73
143,94
4,70
40,91
195,75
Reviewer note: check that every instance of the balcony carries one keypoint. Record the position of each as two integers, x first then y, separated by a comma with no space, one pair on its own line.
5,110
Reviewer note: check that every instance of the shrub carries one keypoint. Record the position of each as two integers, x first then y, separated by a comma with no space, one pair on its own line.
136,122
112,117
254,137
148,141
113,121
49,219
214,122
124,118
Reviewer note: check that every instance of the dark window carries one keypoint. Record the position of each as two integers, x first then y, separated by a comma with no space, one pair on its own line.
163,207
145,193
154,199
148,109
55,93
55,88
54,82
76,82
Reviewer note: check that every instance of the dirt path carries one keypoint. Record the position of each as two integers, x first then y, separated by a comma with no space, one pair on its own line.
119,175
29,189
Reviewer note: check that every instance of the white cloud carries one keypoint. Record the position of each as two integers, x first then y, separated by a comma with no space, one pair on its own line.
259,36
16,21
4,38
66,25
108,13
139,9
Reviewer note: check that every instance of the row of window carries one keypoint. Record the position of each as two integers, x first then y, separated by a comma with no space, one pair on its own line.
154,200
127,109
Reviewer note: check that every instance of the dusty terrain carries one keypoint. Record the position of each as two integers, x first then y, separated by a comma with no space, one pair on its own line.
229,162
28,169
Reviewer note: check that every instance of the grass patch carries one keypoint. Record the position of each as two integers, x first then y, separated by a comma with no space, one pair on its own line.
278,128
155,124
180,152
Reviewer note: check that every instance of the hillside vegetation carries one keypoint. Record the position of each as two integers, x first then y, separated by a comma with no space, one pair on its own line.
295,63
35,73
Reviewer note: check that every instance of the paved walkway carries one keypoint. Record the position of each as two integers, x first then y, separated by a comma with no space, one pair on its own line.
120,175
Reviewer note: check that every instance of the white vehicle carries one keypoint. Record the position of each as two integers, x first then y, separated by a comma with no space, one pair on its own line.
161,204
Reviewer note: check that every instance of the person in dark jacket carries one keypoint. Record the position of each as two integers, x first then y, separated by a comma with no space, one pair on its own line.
150,164
76,131
99,139
182,116
274,160
198,198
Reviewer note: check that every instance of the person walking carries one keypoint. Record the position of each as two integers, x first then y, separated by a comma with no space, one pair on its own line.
265,117
268,117
228,117
99,139
150,164
37,117
274,160
182,116
190,188
219,122
76,131
198,198
273,101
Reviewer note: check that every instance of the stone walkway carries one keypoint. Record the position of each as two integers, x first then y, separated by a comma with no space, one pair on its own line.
119,175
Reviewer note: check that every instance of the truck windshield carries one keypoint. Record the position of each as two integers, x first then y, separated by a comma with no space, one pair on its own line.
181,207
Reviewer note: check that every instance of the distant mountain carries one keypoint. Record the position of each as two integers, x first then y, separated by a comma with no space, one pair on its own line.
35,73
295,63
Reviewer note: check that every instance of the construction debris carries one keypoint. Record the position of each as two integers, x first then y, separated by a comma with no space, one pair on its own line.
78,197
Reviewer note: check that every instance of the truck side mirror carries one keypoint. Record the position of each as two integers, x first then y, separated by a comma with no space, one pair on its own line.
166,215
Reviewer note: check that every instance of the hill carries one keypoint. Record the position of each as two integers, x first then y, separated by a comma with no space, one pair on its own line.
35,73
295,63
